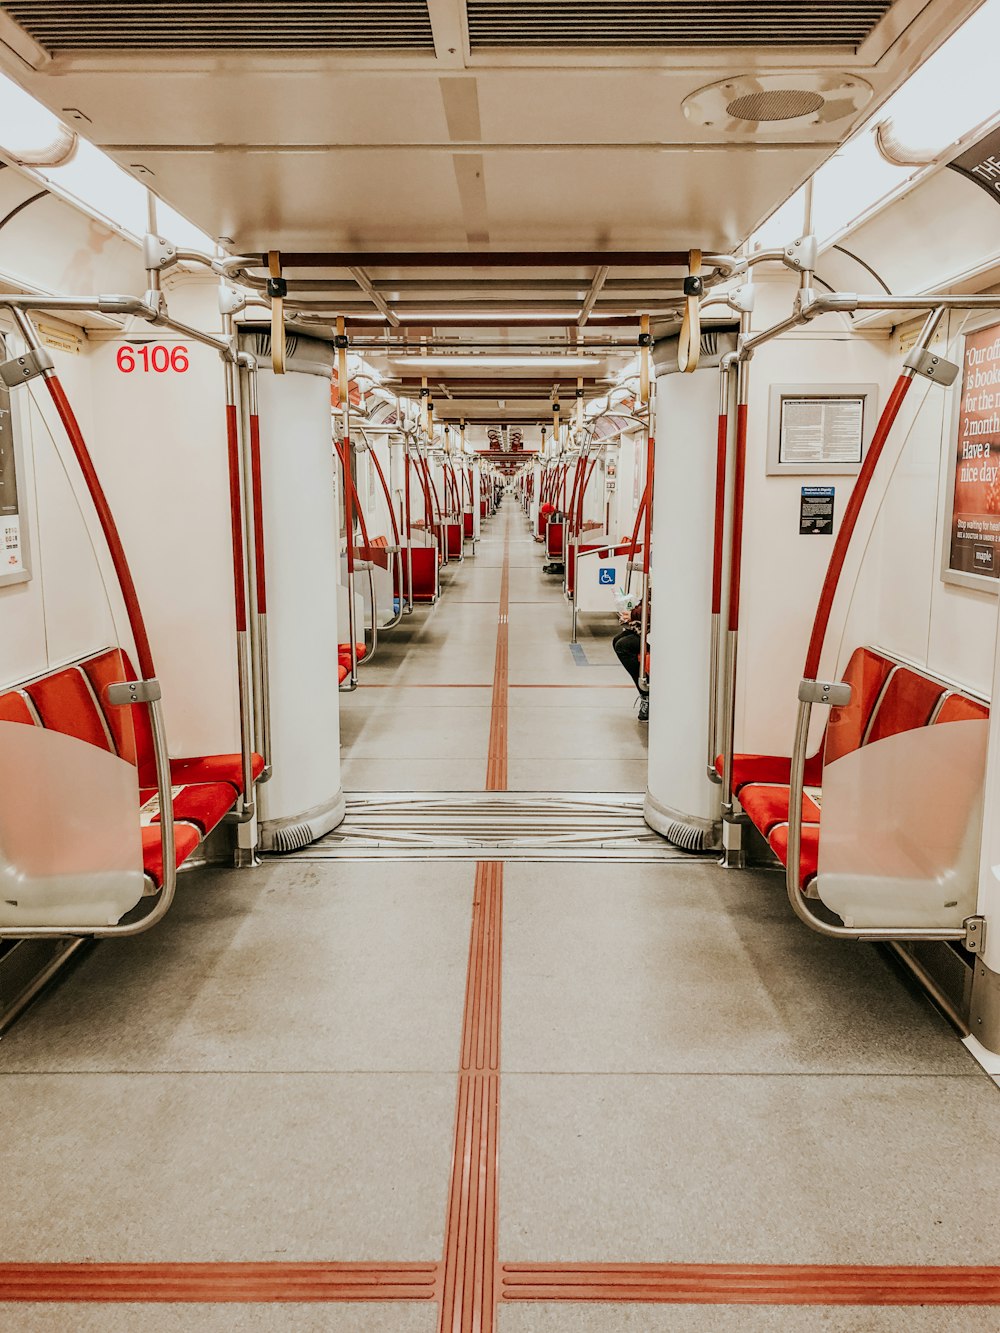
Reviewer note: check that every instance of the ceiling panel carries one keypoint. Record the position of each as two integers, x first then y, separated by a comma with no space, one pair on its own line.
673,23
65,26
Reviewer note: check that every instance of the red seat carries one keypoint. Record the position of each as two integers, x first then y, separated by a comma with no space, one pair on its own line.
767,806
342,673
769,768
959,708
15,708
809,858
866,673
907,702
214,768
65,703
185,842
204,804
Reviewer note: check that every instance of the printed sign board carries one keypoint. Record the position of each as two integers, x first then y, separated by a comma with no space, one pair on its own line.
13,537
981,164
974,536
821,429
606,576
816,511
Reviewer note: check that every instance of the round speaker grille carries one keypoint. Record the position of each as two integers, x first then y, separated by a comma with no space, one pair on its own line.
775,104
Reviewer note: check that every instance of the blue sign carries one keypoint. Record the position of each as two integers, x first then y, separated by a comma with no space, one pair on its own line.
606,577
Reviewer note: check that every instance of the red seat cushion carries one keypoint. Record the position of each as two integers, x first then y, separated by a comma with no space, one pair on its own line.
342,673
65,703
344,651
907,703
203,803
213,768
768,805
956,708
185,841
110,668
866,673
809,858
769,768
14,708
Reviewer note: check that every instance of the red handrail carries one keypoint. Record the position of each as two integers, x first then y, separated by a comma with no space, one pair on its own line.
720,511
236,518
848,524
109,528
739,482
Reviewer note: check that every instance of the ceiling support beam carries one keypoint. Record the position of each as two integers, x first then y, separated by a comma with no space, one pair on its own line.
376,298
600,277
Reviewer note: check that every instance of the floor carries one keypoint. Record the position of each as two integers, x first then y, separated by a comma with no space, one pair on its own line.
434,1097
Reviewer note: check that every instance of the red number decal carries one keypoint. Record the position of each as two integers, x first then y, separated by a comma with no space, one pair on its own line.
146,357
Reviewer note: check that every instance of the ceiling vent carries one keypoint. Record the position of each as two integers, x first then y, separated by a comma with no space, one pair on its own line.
65,26
681,23
777,103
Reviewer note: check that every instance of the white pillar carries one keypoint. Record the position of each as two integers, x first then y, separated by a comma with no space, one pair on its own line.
304,798
681,802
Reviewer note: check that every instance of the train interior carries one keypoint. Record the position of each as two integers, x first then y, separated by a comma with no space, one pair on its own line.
499,806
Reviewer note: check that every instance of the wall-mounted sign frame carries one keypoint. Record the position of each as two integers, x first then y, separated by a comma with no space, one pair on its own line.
970,555
820,428
15,562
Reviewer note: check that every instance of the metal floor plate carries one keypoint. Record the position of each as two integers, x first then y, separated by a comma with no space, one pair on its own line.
493,826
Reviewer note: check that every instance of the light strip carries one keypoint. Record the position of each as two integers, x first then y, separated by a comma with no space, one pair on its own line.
459,361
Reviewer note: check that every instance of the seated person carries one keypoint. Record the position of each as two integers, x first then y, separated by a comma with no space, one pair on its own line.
627,643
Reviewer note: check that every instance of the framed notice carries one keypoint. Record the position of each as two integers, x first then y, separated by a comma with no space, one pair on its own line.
14,566
972,533
820,428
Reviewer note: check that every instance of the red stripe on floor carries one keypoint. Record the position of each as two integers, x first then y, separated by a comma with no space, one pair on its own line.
470,1254
231,1283
496,762
751,1284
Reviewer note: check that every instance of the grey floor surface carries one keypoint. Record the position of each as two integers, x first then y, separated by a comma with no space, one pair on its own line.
270,1075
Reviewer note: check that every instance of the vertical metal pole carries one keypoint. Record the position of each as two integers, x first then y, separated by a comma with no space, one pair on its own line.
240,590
721,470
734,853
254,504
345,419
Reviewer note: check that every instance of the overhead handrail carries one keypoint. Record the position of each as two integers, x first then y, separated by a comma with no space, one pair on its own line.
145,691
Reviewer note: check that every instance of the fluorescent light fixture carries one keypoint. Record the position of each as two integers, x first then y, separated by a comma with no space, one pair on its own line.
31,134
461,361
82,173
939,104
945,98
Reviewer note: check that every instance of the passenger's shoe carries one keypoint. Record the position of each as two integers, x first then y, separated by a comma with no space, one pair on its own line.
644,711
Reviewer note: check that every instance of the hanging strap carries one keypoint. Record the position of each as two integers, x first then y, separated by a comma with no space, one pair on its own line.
689,343
277,289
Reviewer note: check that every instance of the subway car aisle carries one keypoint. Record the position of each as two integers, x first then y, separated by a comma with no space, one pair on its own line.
420,721
406,1095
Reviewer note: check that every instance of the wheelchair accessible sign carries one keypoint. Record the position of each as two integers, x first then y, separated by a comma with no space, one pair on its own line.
606,576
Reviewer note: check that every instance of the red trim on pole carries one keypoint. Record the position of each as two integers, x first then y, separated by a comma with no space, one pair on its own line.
350,487
236,518
388,496
647,539
847,526
736,554
258,514
108,526
720,512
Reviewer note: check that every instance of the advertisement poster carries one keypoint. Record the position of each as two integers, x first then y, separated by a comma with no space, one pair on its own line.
13,562
975,522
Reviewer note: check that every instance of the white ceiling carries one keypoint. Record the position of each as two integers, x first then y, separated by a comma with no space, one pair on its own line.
454,148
